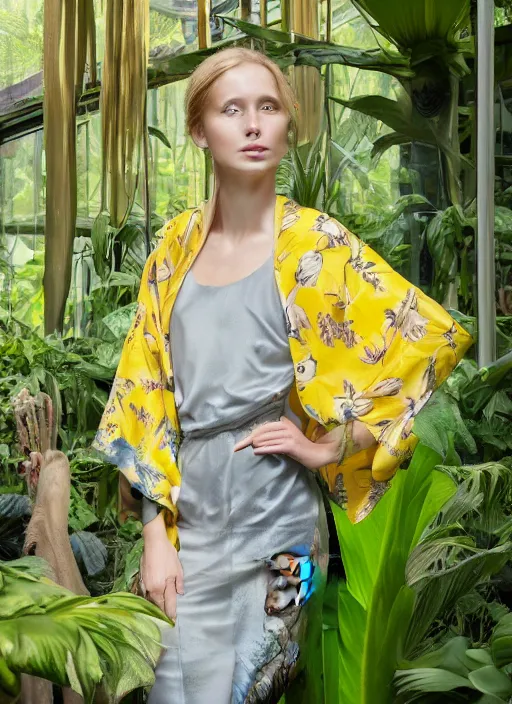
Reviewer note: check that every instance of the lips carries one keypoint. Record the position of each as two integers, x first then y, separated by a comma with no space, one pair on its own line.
255,148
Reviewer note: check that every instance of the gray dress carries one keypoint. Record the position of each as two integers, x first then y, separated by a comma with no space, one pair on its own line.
236,636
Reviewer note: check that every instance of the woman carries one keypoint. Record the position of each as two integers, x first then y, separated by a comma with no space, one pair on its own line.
270,348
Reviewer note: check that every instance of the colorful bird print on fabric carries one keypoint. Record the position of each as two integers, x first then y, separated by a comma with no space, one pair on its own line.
365,343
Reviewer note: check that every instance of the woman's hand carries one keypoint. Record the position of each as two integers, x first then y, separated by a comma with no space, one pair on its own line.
283,437
161,570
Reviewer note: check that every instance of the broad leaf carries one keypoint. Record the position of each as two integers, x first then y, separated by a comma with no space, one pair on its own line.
489,680
429,680
120,320
439,591
397,114
375,553
76,641
501,642
414,23
352,626
452,656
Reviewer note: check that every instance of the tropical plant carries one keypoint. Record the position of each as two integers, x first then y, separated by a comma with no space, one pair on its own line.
483,674
432,560
468,419
74,641
64,65
407,569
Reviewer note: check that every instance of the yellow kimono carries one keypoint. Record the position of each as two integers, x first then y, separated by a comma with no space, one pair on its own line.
365,343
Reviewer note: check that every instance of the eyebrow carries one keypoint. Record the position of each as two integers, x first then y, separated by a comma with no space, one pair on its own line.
262,99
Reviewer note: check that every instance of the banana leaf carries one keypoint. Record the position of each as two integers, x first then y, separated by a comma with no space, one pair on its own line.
378,599
76,641
309,52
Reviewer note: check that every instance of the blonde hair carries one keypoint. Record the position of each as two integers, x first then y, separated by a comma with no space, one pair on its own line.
205,75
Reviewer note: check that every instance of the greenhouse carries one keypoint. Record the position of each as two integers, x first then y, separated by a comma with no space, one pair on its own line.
386,576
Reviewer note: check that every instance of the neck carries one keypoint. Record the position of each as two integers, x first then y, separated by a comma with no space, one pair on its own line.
244,208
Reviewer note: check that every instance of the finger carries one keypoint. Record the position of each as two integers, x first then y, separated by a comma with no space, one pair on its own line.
170,598
157,598
275,449
265,427
243,443
276,436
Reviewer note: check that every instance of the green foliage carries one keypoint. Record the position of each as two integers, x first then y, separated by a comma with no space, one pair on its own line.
76,641
456,665
375,554
432,560
470,414
67,370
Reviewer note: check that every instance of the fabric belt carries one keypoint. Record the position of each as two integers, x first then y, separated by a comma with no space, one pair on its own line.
270,411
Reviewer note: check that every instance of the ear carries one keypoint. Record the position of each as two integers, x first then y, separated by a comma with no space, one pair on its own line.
199,138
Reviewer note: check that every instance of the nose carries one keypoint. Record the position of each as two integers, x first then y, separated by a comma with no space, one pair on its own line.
252,125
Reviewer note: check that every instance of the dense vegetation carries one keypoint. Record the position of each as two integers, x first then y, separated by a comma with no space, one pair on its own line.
422,613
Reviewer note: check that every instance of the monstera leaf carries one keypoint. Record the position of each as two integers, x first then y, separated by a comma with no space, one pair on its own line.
75,641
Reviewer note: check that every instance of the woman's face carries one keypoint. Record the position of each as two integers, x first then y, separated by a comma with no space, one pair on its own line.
245,124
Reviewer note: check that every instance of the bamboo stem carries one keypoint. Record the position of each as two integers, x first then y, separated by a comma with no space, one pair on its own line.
203,24
263,13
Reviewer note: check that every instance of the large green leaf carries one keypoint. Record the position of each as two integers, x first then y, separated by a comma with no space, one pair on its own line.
331,644
120,320
451,656
501,642
361,548
489,680
308,52
47,631
411,23
439,590
427,679
397,114
375,553
352,626
408,517
440,422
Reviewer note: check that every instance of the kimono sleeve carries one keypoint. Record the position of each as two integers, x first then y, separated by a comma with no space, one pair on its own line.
134,432
396,347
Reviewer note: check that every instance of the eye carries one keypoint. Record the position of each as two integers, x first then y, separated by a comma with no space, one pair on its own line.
231,110
271,107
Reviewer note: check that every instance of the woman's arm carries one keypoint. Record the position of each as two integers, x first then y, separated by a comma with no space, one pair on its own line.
284,437
346,440
161,570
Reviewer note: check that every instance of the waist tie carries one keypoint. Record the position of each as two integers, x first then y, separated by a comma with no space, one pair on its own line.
269,411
